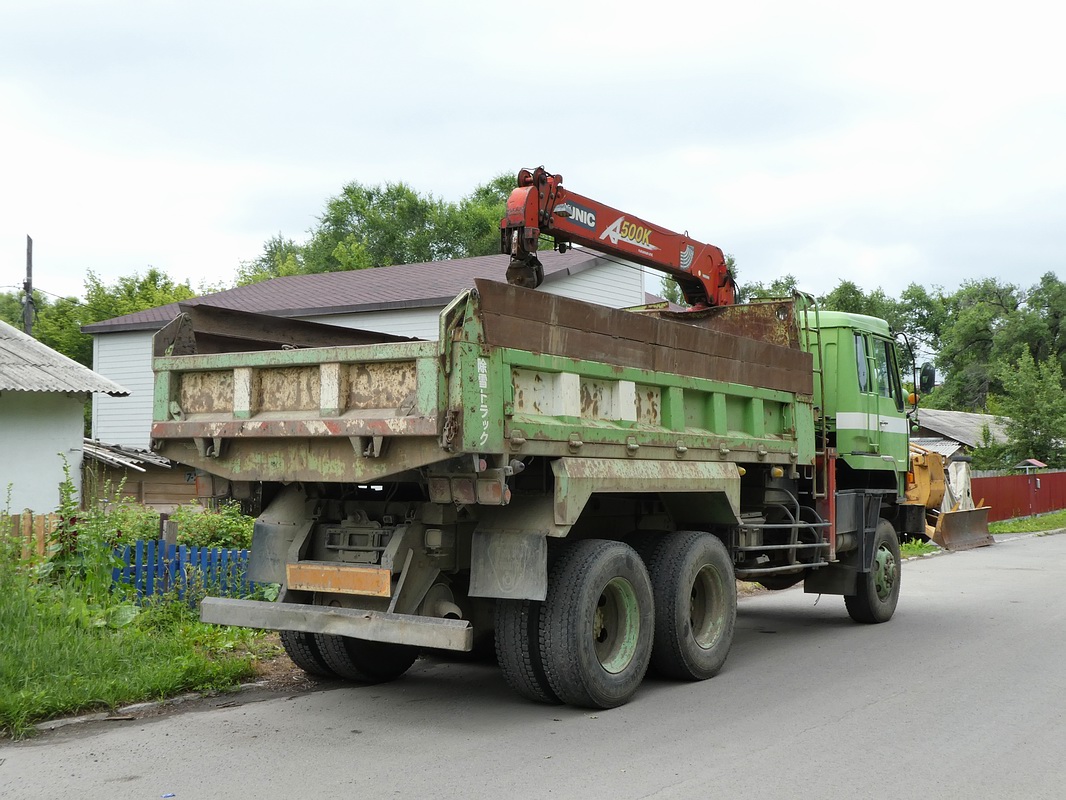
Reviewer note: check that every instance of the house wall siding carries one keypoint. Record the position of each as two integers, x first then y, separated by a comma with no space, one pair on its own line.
418,323
38,430
608,284
125,358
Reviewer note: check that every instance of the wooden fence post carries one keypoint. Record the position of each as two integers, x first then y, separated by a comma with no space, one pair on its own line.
38,530
26,532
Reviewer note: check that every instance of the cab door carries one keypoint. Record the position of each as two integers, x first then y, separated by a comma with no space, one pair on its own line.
866,434
891,421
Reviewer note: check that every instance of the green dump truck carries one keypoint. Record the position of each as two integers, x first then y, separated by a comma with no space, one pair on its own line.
580,485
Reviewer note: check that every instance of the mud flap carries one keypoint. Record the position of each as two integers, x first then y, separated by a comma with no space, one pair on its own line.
963,530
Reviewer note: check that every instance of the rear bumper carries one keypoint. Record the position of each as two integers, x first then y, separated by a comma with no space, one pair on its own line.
374,626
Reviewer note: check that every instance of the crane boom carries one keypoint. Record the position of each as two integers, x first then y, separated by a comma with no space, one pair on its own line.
540,204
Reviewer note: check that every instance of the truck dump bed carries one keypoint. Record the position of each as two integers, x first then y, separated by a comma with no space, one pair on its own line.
515,372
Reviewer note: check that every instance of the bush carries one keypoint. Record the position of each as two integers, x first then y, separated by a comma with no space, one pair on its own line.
225,528
72,640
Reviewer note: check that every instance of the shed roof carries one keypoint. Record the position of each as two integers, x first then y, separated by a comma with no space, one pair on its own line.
116,455
962,426
429,284
26,365
945,447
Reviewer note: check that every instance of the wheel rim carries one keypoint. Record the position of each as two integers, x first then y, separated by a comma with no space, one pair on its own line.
707,609
884,573
616,625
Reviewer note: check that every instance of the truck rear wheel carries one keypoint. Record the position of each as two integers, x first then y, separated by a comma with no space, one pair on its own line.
878,590
363,661
303,651
695,604
518,649
597,624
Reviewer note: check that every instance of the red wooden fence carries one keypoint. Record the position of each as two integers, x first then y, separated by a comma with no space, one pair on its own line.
1020,495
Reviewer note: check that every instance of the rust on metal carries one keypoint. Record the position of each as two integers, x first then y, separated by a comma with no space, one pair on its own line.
328,458
287,389
326,576
524,319
771,321
206,392
649,405
963,530
388,384
208,329
299,428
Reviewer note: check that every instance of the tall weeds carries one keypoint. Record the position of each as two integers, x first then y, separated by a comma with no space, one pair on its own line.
73,640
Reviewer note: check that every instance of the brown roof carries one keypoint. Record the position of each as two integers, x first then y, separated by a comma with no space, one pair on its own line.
404,286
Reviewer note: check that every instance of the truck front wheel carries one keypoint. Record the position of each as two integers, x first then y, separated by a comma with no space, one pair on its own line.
695,604
878,590
363,661
597,624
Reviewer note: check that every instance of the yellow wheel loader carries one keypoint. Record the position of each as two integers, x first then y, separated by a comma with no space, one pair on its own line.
953,521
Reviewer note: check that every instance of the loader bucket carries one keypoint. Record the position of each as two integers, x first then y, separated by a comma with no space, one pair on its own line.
963,530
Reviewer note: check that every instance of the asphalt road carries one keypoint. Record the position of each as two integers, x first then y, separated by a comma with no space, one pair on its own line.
962,694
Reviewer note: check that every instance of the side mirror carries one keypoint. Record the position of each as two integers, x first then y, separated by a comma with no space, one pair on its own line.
928,378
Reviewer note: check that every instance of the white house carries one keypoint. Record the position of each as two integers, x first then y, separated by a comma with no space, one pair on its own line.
42,416
404,300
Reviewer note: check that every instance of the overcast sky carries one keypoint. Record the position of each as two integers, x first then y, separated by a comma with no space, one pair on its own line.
882,143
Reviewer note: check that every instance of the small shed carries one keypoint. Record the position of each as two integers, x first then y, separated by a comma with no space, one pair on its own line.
42,420
138,475
1029,465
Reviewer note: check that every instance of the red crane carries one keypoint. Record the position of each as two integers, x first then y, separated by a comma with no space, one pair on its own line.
540,204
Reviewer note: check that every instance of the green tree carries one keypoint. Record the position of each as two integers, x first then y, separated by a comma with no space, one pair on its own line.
11,308
1034,405
848,297
990,454
983,333
375,226
58,322
280,257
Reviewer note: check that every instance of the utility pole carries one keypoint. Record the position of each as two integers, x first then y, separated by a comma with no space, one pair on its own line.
27,288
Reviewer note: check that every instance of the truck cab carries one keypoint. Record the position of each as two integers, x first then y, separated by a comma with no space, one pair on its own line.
862,398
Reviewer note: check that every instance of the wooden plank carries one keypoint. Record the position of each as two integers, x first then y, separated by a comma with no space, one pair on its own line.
39,521
25,528
322,576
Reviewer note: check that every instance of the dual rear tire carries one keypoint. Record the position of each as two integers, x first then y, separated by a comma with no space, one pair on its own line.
610,613
329,656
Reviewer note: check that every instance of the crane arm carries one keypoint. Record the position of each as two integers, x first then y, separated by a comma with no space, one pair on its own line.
540,204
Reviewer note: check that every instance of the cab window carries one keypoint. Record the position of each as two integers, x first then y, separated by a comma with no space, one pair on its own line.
861,363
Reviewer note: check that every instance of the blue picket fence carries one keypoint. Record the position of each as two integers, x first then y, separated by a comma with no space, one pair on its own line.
154,567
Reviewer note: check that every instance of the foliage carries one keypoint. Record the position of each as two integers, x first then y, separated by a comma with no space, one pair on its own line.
990,454
916,547
381,225
783,286
75,641
122,521
226,528
60,659
58,323
1035,407
1043,522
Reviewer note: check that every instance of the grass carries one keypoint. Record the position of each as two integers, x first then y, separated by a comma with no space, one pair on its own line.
74,642
1043,522
64,654
914,547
